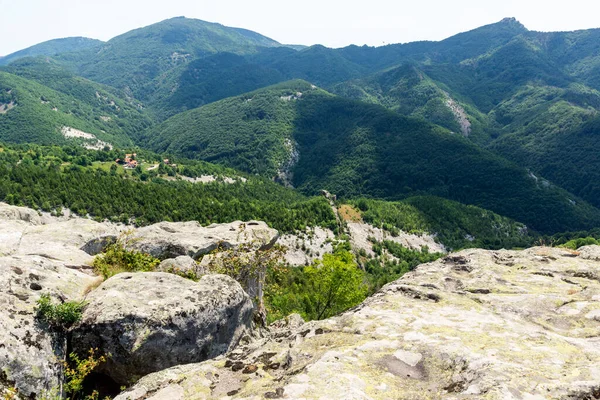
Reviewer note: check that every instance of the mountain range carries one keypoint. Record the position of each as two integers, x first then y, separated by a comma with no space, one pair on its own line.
499,117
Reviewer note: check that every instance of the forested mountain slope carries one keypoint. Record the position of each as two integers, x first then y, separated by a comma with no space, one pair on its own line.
69,108
134,59
352,149
53,47
531,100
89,182
527,96
253,132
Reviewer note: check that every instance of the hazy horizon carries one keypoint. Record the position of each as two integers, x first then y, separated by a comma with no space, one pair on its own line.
333,24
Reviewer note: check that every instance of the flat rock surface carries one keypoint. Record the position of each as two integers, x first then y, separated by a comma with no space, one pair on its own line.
152,320
24,232
181,265
172,239
474,325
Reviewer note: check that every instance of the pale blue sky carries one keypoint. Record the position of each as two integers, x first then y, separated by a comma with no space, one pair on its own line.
332,23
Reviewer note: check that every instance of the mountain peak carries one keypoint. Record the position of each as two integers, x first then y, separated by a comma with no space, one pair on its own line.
512,22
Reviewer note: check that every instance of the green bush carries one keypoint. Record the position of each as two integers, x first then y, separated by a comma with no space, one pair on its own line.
77,370
382,270
580,242
58,316
116,259
321,290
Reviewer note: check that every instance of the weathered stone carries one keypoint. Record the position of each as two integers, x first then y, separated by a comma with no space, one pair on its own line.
98,245
533,335
360,234
590,252
44,254
63,240
25,232
172,239
151,321
24,214
30,354
76,240
181,264
305,247
248,262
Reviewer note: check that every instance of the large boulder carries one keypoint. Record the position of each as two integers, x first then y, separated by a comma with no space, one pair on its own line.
64,240
150,321
24,214
74,240
185,265
30,355
172,239
478,324
590,252
26,232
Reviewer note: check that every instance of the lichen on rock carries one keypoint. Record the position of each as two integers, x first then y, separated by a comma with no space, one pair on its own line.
474,325
151,321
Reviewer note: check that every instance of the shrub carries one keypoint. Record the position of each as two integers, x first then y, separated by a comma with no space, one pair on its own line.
249,267
191,275
58,316
77,370
116,259
574,244
325,288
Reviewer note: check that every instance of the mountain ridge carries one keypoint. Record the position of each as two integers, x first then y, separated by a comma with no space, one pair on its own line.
52,47
339,147
484,84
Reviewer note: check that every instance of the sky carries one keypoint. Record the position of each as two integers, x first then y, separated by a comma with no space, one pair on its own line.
332,23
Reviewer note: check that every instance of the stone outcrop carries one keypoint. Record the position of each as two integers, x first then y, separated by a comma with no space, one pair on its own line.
590,252
305,247
185,265
30,355
24,232
151,321
360,234
172,239
474,325
43,254
76,240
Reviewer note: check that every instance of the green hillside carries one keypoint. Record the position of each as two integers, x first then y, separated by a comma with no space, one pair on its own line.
529,99
53,47
30,174
252,132
354,149
407,90
209,79
562,144
134,59
456,225
483,117
31,112
51,178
